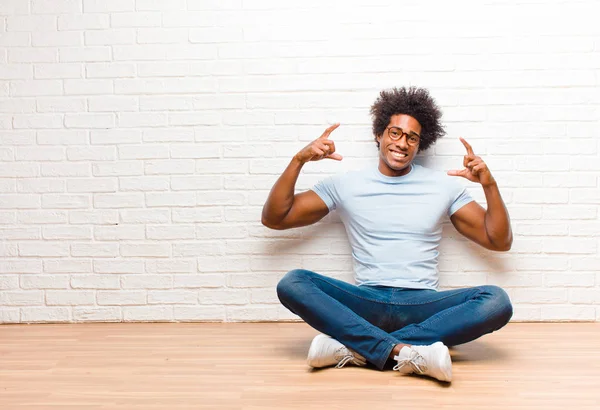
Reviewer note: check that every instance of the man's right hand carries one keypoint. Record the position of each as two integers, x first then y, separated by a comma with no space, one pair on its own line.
320,148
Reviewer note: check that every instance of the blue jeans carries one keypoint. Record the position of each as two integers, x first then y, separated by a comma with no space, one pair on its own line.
371,320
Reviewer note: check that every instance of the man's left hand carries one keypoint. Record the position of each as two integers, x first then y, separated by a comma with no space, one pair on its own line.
475,169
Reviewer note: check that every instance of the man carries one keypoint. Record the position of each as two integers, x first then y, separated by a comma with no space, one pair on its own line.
393,214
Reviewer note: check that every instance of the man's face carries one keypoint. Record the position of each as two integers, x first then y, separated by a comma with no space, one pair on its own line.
398,145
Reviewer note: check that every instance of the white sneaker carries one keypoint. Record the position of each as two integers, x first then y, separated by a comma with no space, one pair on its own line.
433,360
326,351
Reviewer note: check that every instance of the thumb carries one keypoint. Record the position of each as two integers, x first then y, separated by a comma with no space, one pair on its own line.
335,156
456,173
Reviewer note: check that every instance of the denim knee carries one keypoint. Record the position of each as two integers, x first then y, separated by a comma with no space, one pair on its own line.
498,304
289,285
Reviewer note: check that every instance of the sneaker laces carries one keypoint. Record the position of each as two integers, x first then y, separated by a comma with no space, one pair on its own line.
414,360
345,356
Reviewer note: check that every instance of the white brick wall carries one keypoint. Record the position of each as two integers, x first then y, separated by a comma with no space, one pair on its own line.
139,139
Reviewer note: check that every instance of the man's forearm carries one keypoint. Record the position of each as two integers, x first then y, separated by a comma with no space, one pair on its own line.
281,197
497,221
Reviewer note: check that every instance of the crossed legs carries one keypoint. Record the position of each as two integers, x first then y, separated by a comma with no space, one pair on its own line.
373,321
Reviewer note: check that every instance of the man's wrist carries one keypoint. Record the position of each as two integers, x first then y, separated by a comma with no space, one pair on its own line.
296,159
492,184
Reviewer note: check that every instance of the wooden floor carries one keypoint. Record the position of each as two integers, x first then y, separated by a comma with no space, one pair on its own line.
262,366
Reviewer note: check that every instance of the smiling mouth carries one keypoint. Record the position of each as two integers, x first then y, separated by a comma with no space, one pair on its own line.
398,155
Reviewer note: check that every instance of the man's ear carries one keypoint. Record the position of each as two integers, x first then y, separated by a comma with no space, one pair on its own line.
378,138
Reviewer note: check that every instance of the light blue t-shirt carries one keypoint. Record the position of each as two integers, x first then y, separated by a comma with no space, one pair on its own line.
394,224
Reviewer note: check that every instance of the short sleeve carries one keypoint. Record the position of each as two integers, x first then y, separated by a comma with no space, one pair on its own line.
327,190
460,198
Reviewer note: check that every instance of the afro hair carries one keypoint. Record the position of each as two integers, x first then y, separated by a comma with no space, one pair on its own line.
413,101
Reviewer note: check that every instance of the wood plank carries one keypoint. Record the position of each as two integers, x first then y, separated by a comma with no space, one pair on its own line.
262,366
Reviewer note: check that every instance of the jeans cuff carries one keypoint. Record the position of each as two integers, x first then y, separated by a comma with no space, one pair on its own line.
381,362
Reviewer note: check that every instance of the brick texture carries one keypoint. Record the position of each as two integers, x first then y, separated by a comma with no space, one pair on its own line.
139,139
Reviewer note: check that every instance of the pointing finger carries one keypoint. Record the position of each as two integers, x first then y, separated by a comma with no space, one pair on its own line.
467,146
329,130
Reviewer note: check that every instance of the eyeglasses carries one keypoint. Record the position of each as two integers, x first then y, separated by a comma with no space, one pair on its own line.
396,133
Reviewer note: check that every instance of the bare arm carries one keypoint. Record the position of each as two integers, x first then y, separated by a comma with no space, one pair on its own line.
489,228
284,209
